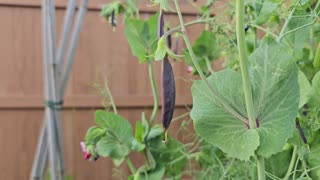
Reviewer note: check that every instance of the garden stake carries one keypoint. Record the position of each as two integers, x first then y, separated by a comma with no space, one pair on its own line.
50,94
54,103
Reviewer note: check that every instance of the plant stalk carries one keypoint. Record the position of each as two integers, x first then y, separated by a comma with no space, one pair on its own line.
113,104
286,23
245,77
131,166
155,94
261,168
244,63
292,162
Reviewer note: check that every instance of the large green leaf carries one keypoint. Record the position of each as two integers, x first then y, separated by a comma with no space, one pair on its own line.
275,86
118,141
305,89
275,93
142,36
215,124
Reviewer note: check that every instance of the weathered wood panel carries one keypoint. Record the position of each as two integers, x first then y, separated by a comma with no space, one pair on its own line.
101,52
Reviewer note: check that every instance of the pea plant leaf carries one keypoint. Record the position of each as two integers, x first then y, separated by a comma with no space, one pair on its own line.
118,141
142,36
297,38
275,88
94,134
215,124
276,95
265,11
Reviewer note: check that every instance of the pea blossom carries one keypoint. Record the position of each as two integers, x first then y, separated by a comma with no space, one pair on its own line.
86,153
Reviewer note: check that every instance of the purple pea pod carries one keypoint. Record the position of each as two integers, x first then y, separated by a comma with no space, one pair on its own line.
168,89
168,93
169,39
160,24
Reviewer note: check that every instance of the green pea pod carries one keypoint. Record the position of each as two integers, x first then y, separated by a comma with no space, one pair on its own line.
316,61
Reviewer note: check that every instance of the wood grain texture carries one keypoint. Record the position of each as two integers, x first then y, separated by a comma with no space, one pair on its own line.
101,53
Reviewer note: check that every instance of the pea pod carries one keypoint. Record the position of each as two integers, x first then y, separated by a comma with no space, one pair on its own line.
316,61
168,93
168,89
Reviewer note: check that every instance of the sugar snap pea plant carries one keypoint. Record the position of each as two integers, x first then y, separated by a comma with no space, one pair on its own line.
258,118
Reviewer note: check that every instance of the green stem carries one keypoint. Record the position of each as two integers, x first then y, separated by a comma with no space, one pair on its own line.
155,94
223,103
246,79
261,171
209,65
292,162
178,28
114,107
265,30
295,168
243,62
131,166
286,24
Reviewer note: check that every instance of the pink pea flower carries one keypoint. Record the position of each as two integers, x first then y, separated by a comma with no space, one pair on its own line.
86,153
189,69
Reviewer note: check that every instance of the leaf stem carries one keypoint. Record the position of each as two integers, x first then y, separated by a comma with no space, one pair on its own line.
292,162
245,78
114,107
286,23
260,165
178,28
155,94
209,65
222,102
131,166
243,62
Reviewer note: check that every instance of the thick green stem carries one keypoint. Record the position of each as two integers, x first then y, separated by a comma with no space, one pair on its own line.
292,162
245,77
261,171
155,94
243,62
223,103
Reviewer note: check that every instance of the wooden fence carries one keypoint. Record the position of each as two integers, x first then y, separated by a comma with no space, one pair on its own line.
100,52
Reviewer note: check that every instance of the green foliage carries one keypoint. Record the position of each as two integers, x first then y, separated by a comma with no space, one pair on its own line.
276,95
283,95
305,89
115,7
142,37
205,49
264,11
276,98
118,141
214,123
